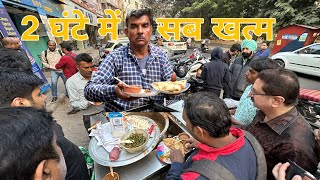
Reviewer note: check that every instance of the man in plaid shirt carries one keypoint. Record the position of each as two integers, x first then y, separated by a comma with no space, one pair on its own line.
140,63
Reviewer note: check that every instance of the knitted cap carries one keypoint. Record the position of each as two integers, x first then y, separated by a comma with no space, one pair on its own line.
250,44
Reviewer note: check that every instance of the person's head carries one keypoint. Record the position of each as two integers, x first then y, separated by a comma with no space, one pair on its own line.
264,45
258,65
10,43
65,47
216,53
16,42
206,116
9,62
235,49
84,65
28,148
20,89
275,89
139,27
51,45
248,47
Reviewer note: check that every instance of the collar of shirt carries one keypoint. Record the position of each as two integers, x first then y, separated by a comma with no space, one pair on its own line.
211,153
151,51
55,51
80,76
282,122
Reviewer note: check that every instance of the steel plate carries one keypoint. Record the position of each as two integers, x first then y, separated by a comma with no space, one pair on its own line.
167,92
101,156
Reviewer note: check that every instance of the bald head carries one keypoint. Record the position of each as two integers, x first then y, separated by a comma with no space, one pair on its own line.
11,42
6,41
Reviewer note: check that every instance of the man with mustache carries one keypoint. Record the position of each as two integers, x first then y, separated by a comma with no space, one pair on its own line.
238,69
76,83
139,63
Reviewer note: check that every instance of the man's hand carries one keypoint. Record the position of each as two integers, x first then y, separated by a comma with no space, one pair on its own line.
176,156
122,95
279,172
95,103
190,143
316,133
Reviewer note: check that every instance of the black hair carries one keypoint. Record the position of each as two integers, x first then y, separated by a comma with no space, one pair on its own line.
51,41
208,111
267,43
281,82
13,36
235,47
9,63
83,57
17,84
263,64
66,45
26,140
139,13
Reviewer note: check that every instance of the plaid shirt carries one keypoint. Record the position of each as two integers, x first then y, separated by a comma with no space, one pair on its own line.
123,64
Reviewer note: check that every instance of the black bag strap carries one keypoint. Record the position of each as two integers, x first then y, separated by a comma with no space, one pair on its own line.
46,53
210,170
261,159
60,52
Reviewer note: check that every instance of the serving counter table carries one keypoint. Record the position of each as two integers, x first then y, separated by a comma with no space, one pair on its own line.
148,167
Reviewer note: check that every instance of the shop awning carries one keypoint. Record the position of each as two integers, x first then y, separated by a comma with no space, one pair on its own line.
19,5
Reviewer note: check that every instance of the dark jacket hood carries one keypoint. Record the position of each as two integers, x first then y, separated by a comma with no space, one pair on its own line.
216,53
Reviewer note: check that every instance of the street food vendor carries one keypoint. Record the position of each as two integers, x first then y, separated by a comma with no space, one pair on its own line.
138,64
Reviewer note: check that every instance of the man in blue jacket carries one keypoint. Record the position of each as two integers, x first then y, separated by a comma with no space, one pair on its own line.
264,51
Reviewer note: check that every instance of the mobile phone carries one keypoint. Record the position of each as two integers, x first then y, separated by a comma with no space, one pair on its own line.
295,169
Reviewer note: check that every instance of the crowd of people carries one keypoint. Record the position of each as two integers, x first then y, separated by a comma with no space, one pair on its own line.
255,142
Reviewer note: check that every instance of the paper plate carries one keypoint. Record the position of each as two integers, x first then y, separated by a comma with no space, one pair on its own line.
163,153
144,94
176,92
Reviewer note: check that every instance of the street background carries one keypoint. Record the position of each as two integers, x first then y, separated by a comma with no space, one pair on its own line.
73,124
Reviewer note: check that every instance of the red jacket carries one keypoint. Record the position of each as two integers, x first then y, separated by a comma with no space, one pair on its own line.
67,64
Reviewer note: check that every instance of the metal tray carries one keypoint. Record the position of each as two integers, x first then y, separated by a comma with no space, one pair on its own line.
101,156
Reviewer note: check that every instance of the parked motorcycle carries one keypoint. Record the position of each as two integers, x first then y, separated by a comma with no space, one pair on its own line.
195,68
309,104
188,67
204,48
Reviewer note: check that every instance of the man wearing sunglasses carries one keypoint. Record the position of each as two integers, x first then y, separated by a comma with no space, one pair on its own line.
278,126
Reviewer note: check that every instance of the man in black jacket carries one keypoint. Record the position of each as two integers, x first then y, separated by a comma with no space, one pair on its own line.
238,69
216,73
232,52
12,48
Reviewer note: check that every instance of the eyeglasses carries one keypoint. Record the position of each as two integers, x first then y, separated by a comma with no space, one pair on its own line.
257,94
